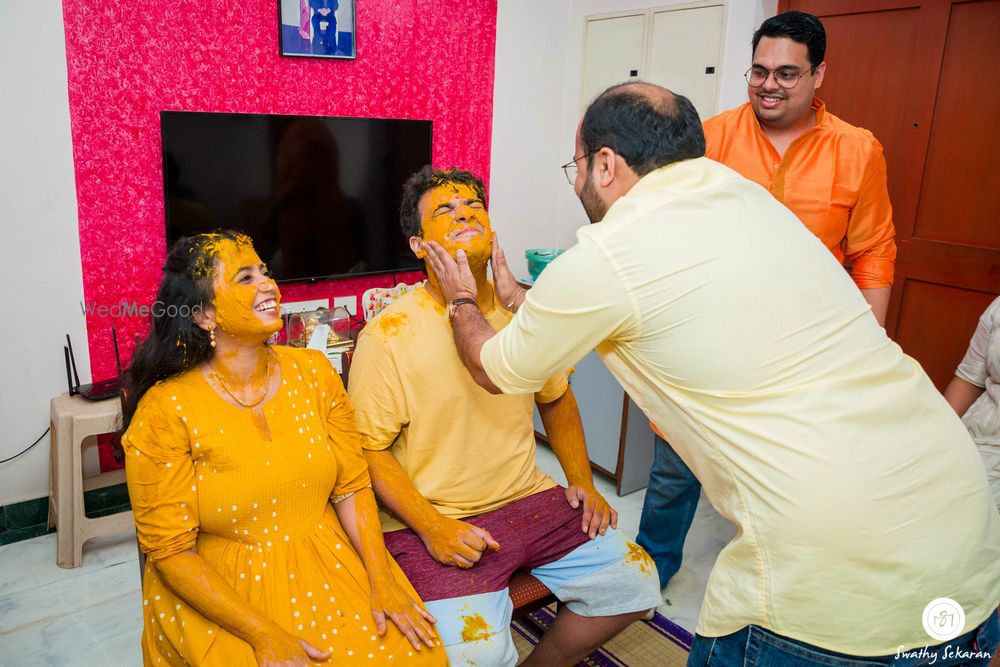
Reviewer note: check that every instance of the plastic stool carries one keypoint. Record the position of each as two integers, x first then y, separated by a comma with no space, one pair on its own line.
73,420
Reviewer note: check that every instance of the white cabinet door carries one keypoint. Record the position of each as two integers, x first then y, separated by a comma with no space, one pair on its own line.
612,51
599,397
685,54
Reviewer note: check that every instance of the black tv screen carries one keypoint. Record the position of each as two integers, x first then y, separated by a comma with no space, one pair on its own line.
319,196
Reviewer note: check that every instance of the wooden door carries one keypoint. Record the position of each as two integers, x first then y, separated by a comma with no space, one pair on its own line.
919,75
685,53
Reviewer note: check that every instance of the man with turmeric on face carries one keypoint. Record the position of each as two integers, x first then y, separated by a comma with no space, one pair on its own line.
454,465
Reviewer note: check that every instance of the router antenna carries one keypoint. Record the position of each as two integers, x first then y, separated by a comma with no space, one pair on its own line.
69,377
72,359
118,361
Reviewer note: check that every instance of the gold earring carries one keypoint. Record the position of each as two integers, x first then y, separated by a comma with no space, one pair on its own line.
211,333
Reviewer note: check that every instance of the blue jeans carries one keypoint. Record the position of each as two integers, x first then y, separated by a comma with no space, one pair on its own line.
754,646
671,500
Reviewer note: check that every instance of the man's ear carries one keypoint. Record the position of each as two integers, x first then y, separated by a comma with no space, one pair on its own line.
604,166
820,73
415,243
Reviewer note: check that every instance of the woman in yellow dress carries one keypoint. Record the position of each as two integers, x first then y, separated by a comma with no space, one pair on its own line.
252,500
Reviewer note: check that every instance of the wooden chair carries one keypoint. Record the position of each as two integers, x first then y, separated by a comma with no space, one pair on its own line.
529,594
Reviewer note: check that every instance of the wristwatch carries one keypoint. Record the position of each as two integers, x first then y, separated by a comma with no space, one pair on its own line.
455,303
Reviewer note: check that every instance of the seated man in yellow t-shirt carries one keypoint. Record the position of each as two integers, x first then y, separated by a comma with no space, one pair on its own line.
454,465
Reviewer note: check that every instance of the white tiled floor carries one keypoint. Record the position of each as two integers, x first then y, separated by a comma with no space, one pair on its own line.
84,616
90,615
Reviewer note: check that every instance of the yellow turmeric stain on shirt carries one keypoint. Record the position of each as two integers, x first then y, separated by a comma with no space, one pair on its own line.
638,556
392,323
476,627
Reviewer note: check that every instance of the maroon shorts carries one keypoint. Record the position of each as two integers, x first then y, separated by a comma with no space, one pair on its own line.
533,531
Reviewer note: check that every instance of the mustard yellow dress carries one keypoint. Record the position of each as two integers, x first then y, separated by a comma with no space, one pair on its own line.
201,474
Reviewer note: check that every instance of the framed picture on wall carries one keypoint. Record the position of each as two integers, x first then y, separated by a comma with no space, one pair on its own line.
317,28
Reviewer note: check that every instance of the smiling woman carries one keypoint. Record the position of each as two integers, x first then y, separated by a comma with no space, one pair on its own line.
249,488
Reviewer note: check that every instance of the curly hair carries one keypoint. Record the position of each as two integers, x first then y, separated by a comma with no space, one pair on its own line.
426,179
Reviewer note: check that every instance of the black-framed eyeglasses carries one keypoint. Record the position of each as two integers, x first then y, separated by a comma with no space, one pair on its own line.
570,168
783,76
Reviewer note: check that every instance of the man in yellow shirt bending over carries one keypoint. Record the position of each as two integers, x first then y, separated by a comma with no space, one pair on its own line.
454,465
865,526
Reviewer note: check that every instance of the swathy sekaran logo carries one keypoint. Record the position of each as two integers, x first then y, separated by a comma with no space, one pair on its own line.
943,619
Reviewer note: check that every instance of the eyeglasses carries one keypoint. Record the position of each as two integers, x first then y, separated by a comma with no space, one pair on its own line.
786,78
570,168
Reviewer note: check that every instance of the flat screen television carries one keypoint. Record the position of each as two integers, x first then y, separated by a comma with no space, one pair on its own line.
319,196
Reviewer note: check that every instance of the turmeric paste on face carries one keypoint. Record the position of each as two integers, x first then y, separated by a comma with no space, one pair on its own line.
235,297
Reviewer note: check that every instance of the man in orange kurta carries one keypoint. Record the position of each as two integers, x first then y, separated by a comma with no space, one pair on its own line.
829,173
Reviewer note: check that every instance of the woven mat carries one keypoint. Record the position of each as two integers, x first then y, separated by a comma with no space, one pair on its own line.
655,643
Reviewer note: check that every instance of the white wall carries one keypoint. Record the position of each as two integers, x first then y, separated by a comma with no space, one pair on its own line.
536,101
527,150
40,274
742,19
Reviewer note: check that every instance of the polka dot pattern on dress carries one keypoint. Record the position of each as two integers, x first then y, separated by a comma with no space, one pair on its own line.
221,493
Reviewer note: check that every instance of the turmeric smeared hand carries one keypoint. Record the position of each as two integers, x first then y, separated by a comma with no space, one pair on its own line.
454,277
453,542
406,612
278,648
597,513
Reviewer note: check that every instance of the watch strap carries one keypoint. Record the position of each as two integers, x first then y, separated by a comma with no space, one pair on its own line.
455,303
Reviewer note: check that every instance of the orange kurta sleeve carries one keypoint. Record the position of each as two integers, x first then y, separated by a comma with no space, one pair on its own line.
870,244
161,477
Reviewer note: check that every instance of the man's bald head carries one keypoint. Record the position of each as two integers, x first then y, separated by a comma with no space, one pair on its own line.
647,125
662,99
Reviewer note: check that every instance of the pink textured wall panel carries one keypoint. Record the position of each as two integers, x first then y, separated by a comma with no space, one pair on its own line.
415,59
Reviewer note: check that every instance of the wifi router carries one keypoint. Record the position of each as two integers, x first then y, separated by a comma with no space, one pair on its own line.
97,391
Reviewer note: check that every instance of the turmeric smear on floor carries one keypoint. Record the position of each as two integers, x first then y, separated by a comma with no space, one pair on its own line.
475,628
638,556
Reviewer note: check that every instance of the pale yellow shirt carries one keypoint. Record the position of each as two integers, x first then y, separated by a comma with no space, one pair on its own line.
857,493
467,451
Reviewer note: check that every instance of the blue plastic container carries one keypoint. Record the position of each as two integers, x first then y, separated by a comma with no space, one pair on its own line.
539,258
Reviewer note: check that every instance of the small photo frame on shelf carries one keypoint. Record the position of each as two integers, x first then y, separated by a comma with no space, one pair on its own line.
317,28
